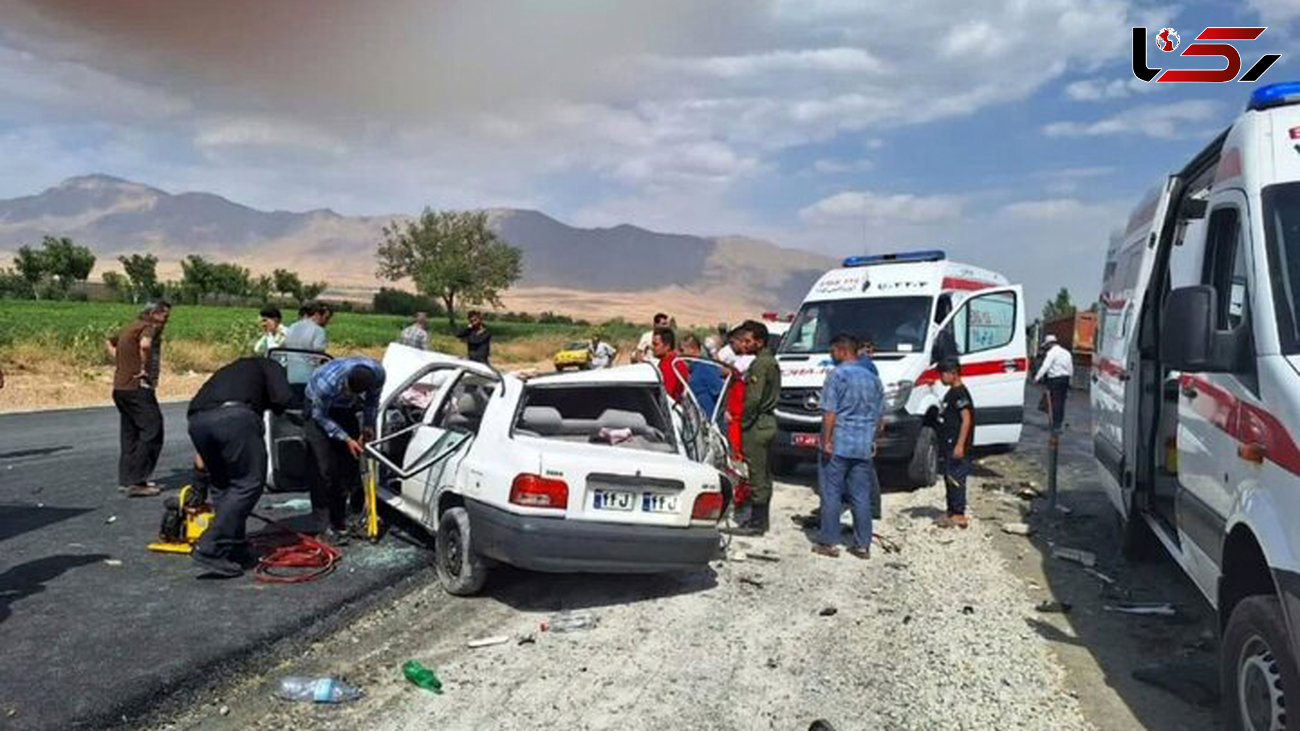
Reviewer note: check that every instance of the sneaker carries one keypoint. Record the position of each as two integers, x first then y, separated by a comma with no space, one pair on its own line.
862,552
336,537
217,565
821,549
142,490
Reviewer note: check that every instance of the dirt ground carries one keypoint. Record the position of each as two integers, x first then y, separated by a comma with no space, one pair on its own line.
943,633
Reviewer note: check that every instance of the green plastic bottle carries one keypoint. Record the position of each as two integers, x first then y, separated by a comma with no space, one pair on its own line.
417,673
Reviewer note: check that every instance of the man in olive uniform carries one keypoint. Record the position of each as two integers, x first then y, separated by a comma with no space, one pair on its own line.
762,386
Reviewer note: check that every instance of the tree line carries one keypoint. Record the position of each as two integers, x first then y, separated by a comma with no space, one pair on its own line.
453,259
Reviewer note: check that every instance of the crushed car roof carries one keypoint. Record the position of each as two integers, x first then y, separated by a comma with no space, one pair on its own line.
638,373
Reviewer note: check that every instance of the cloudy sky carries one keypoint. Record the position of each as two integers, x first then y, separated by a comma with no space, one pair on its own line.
1009,132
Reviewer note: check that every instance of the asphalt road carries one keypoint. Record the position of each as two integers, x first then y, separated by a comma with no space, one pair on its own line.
85,641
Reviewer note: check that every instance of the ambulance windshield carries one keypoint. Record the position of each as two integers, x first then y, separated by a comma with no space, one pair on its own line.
894,324
1282,233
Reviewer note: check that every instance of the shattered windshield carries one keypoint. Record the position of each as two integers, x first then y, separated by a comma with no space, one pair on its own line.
1282,235
894,324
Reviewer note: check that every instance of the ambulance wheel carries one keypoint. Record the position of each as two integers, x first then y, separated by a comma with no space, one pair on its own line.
460,570
923,469
1257,666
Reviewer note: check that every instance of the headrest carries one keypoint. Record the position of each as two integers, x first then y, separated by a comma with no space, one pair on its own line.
620,419
542,420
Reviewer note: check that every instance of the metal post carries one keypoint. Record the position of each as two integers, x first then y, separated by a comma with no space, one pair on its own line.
1053,449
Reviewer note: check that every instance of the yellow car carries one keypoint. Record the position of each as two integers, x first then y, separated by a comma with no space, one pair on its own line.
576,354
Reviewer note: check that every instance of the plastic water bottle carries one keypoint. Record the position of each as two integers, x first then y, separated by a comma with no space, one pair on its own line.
571,621
316,690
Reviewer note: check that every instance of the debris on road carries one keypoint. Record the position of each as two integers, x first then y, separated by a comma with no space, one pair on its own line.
829,612
111,519
1100,576
527,639
224,710
888,545
298,504
821,724
113,562
968,609
570,621
421,676
1018,529
316,690
1084,558
1050,607
765,556
1158,609
752,581
488,641
1195,681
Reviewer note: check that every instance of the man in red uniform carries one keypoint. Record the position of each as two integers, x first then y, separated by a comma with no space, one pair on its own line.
675,372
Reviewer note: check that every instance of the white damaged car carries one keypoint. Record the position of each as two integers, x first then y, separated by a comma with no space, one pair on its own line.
597,471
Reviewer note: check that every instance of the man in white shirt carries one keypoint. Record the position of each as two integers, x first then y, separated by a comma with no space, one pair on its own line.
644,352
416,335
1055,374
602,353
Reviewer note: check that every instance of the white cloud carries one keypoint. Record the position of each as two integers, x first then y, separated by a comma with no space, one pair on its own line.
841,167
862,205
1043,210
1090,90
264,132
816,60
1162,121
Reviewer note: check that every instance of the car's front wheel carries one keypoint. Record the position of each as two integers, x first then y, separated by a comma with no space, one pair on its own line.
1257,666
460,570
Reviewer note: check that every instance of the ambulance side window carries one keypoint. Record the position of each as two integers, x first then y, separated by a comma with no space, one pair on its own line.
1225,267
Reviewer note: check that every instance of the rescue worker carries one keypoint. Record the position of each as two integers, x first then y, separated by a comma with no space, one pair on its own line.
1055,373
336,441
705,379
673,369
762,387
225,425
733,412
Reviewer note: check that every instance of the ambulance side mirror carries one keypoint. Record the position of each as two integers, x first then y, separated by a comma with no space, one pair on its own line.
1189,340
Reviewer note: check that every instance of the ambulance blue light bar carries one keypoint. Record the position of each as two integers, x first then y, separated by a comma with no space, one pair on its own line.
902,257
1275,95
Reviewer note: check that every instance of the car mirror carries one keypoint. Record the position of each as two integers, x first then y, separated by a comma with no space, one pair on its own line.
1189,340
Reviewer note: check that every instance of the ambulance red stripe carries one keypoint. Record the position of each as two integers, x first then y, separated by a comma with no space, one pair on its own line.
972,370
1245,422
964,284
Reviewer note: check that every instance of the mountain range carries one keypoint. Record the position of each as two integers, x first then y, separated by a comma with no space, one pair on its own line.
596,272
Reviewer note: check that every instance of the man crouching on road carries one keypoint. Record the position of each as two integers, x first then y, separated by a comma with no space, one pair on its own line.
226,428
851,404
335,441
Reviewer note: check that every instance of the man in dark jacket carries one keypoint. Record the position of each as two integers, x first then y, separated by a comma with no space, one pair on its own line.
226,427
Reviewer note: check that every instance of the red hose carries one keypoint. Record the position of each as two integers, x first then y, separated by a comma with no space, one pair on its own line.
306,559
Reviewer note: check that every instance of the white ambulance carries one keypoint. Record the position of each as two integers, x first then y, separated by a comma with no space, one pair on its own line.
902,302
1196,392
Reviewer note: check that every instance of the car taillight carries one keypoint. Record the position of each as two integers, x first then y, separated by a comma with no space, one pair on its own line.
708,506
535,491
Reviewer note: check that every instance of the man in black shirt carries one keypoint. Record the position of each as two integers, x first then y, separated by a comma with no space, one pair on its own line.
226,428
478,341
957,431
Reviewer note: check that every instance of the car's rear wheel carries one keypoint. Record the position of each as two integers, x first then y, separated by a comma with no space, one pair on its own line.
460,570
923,468
1257,667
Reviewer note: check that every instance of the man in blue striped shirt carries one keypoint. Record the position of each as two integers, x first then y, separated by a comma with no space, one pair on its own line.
852,401
335,439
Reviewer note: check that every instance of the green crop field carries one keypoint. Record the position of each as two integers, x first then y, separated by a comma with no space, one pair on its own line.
78,329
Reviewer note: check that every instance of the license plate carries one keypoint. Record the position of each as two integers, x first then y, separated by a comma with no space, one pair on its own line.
805,440
614,499
657,502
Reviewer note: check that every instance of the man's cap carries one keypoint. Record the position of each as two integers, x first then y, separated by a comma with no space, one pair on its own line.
950,365
1049,340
